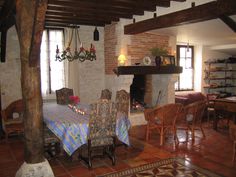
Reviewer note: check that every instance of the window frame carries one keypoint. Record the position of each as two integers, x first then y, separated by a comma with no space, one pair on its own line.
47,29
178,63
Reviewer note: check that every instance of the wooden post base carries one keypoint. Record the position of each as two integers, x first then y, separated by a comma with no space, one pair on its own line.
35,170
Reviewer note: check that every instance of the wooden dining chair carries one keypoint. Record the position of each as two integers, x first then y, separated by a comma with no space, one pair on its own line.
162,119
51,143
192,118
63,95
101,137
106,94
13,117
211,97
123,102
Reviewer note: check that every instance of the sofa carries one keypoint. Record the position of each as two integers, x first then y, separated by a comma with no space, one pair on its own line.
186,98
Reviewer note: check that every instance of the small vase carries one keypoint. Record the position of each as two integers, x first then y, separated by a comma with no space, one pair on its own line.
158,61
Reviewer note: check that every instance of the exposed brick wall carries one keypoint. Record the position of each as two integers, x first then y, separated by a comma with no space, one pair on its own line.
110,43
142,43
140,47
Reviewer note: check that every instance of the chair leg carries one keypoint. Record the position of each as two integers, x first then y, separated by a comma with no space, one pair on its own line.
203,133
208,116
162,136
234,151
147,133
89,155
175,135
193,134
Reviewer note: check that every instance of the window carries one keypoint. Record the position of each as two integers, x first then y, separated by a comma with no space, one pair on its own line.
185,59
52,72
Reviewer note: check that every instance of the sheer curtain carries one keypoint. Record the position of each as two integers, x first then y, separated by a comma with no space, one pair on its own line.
52,72
72,68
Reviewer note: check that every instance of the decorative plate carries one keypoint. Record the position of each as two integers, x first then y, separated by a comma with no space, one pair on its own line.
147,60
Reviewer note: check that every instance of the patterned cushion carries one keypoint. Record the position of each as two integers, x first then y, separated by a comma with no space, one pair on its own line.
122,101
63,95
102,123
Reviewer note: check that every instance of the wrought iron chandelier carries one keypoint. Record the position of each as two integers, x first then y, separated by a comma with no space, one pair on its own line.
80,53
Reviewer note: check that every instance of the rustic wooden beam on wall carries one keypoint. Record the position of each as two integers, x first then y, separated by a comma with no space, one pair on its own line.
6,14
199,13
3,45
229,21
30,77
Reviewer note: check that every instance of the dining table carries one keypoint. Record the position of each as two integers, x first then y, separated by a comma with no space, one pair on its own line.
70,123
227,104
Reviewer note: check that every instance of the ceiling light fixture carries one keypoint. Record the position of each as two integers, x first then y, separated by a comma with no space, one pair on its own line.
96,34
80,53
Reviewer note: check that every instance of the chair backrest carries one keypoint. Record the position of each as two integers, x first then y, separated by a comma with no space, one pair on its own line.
211,97
122,101
63,95
164,115
194,112
102,122
106,94
15,107
232,132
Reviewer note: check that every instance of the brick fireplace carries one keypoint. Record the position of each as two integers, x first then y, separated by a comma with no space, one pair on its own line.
159,88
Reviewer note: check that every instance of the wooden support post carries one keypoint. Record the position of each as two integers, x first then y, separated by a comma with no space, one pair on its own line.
27,13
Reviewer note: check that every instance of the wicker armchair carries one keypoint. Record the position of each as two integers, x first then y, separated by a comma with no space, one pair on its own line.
211,97
122,102
13,118
192,118
63,95
106,94
102,125
162,119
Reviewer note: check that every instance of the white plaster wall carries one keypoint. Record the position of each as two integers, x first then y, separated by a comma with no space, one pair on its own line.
10,71
91,74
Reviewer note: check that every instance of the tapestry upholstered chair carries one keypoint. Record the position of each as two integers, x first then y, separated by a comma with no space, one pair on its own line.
51,143
192,118
63,95
106,94
122,102
162,119
101,137
13,118
232,132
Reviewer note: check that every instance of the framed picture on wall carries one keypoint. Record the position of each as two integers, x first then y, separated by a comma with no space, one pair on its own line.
167,60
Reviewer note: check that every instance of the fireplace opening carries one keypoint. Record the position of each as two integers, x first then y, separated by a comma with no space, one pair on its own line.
137,93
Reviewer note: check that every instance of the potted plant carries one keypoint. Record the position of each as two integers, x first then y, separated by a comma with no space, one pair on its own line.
157,53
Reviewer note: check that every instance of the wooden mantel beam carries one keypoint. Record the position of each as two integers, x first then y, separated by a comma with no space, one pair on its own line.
195,14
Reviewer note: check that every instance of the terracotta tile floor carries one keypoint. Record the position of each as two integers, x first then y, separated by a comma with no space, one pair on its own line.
213,153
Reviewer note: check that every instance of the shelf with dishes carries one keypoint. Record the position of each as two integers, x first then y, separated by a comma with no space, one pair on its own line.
220,75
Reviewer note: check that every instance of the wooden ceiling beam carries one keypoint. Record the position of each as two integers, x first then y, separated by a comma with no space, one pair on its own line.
229,22
80,17
179,0
105,4
199,13
94,12
99,9
77,22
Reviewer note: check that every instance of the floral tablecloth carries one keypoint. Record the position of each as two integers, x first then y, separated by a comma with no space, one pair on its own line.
72,128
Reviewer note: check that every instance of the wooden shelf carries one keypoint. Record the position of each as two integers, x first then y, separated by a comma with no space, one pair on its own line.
129,70
231,86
